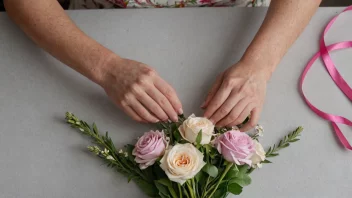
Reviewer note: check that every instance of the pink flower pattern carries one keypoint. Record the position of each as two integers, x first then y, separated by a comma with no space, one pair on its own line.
101,4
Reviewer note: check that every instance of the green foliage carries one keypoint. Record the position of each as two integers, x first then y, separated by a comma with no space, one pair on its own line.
211,170
241,179
171,130
148,188
123,161
285,142
169,188
199,138
222,191
234,188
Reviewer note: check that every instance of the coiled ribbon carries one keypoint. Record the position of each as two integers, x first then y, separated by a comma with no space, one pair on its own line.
336,77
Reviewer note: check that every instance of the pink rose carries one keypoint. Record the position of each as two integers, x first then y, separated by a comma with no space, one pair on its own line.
235,147
149,148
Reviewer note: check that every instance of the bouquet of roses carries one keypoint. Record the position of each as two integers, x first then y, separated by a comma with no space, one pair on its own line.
187,159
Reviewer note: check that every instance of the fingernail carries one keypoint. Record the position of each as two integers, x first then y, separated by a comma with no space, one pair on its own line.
180,111
156,121
175,118
203,104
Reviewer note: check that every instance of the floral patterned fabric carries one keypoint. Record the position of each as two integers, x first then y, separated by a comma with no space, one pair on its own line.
101,4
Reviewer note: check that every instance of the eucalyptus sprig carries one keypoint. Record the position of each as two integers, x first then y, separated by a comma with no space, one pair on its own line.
285,142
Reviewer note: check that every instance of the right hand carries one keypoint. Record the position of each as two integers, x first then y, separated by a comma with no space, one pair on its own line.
140,92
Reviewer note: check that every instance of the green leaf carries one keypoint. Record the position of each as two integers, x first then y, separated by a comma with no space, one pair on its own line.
266,162
243,169
235,189
239,176
148,188
158,172
177,135
163,195
285,145
242,180
162,189
294,140
201,179
183,141
222,190
211,170
129,149
199,137
166,182
131,177
232,172
208,148
274,154
199,176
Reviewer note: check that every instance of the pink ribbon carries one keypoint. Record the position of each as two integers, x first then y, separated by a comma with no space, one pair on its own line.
337,78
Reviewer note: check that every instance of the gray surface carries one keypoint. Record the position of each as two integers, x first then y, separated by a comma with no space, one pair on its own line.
41,157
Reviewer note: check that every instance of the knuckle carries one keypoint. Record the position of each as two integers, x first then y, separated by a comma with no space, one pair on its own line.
215,104
223,111
126,98
168,93
163,102
229,82
135,89
149,72
233,117
124,103
142,80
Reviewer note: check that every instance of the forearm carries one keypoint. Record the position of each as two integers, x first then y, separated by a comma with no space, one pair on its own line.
46,23
284,22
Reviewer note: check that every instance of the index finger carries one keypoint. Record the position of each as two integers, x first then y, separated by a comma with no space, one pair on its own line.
169,93
220,97
252,121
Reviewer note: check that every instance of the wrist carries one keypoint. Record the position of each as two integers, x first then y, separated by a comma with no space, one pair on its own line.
257,68
260,64
108,64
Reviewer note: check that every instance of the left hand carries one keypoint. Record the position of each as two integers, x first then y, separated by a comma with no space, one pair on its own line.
237,93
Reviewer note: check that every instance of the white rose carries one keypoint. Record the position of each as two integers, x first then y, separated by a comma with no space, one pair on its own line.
258,156
182,162
193,125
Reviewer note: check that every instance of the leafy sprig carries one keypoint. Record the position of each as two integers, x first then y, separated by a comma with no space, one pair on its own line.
122,161
285,142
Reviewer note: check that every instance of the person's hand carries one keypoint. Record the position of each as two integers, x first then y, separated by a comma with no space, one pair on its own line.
237,93
140,92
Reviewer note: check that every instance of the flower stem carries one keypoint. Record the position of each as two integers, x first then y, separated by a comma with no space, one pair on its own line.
190,189
228,167
185,191
194,187
179,189
205,187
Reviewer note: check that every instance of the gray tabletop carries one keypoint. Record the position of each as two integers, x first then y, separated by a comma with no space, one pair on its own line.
40,156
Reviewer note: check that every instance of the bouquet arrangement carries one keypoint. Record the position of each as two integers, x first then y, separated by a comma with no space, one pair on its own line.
186,159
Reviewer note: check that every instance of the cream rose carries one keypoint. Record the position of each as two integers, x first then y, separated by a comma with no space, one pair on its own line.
182,162
258,156
193,125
